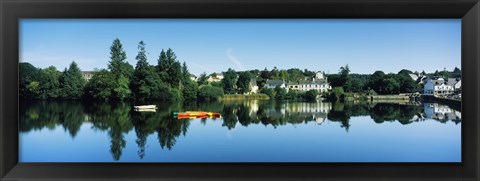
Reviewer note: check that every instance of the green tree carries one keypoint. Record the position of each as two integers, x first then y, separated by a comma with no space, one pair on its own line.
101,85
122,90
376,81
280,93
118,64
243,83
202,80
163,66
50,83
189,87
209,93
34,88
190,90
268,91
142,81
229,80
344,78
185,73
72,82
27,74
283,75
390,86
407,84
174,72
311,95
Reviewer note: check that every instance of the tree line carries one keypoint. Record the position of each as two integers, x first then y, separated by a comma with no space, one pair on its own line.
168,80
383,83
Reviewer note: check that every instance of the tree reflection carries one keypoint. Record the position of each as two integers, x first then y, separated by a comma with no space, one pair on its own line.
114,118
36,115
118,119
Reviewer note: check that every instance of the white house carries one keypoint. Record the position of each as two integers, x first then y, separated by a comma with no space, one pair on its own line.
318,83
456,83
215,78
87,75
253,86
441,86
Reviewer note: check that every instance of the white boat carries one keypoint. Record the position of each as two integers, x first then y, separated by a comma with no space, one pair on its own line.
146,107
146,110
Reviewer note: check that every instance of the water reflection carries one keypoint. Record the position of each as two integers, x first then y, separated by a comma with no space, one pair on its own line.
119,119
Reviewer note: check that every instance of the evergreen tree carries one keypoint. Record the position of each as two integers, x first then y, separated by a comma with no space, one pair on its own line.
202,80
121,69
72,82
185,73
189,88
163,66
118,64
175,72
139,84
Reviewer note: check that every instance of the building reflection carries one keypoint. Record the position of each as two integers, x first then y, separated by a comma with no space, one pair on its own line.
441,113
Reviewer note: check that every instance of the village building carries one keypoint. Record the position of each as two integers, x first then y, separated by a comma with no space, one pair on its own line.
441,86
217,77
253,86
87,75
271,84
193,77
319,83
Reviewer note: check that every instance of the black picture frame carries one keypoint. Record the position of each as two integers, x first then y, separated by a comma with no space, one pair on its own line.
12,10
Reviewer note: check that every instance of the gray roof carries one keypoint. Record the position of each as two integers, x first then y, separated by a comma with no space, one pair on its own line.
438,81
279,82
452,81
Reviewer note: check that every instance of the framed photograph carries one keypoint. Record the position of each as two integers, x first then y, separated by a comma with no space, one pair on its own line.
159,90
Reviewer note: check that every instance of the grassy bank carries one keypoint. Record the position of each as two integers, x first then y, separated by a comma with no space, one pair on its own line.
228,97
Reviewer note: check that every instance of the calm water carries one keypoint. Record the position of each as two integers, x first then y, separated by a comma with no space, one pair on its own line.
250,131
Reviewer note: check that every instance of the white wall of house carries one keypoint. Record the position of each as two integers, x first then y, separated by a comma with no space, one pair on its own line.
431,89
254,89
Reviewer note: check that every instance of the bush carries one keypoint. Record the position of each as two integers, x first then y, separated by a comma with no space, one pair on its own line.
209,93
280,93
163,92
190,91
311,95
336,94
268,92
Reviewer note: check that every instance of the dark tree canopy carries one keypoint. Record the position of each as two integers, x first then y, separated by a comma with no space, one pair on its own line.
72,82
118,64
229,80
243,83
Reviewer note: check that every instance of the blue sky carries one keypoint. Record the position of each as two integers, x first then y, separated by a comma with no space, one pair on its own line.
215,45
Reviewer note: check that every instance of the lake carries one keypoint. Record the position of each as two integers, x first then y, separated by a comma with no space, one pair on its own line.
248,131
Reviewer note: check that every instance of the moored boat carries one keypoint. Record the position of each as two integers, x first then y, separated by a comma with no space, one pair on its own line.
195,114
145,107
